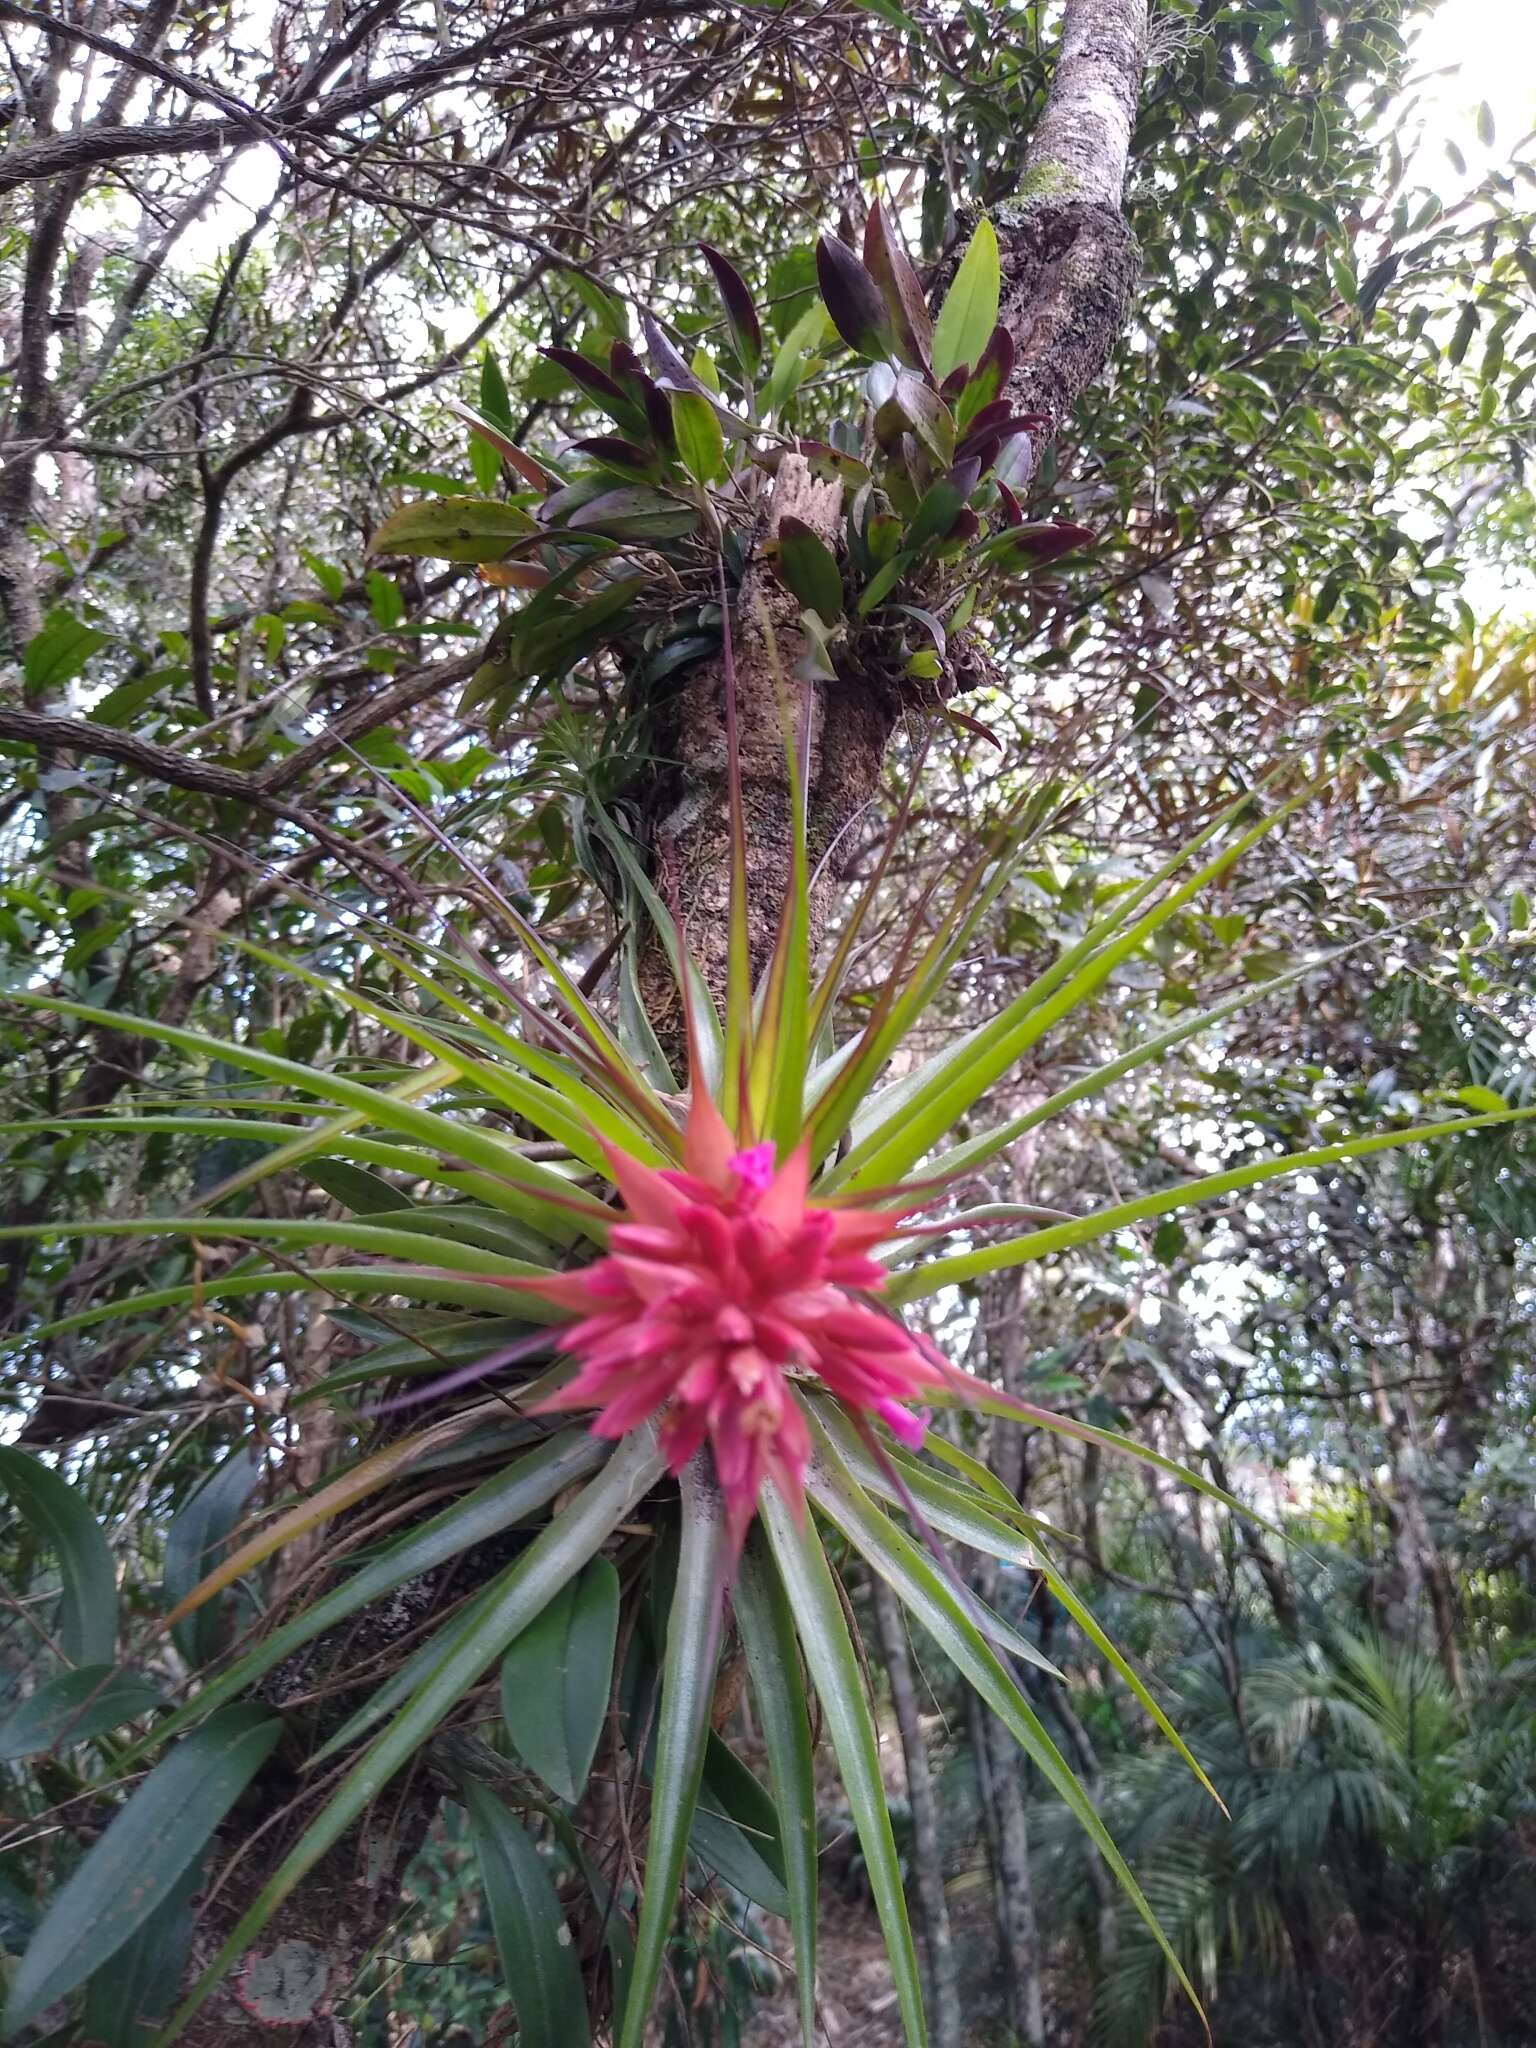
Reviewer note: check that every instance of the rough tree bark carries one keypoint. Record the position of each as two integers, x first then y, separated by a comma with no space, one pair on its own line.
1069,264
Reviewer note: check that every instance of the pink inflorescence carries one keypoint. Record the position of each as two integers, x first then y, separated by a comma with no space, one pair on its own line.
723,1282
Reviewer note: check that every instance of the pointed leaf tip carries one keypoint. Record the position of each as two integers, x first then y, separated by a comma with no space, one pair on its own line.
852,298
808,567
740,312
969,313
889,265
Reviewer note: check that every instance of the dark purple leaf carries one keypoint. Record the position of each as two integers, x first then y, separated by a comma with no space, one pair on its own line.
740,313
644,390
1013,511
614,453
888,264
852,298
974,725
987,419
587,375
1046,541
998,354
988,380
624,363
531,471
596,382
954,384
988,443
658,412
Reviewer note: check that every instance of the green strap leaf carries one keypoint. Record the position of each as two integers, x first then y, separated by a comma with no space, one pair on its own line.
131,1872
556,1678
538,1961
501,1501
59,1518
920,1110
736,1830
410,1282
969,313
834,1667
72,1706
778,1690
194,1544
682,1729
388,1239
1039,1244
987,1144
386,1107
127,1998
926,1596
465,1651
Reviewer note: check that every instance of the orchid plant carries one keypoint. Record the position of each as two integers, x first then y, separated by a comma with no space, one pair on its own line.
535,1222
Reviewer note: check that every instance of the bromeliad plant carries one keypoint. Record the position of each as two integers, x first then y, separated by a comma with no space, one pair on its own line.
537,1221
620,539
733,1327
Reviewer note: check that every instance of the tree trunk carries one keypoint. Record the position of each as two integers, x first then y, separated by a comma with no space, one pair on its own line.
1428,1603
1007,1773
1016,1901
927,1850
1069,265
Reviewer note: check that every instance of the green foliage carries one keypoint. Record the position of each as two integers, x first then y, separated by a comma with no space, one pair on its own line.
1284,475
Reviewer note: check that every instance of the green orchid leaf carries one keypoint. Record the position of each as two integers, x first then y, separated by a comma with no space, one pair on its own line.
809,569
700,443
454,529
131,1871
538,1961
194,1545
969,313
74,1706
556,1678
59,1518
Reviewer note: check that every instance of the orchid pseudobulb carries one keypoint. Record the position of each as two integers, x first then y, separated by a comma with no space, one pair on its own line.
723,1283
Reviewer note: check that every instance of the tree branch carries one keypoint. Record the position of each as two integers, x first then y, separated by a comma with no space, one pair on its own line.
1070,262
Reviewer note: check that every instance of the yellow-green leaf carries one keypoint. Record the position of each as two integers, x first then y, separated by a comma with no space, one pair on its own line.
969,312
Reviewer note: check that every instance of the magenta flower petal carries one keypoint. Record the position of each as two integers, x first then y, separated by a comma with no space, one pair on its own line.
721,1283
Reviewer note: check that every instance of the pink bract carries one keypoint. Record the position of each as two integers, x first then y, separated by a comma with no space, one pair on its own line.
723,1284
